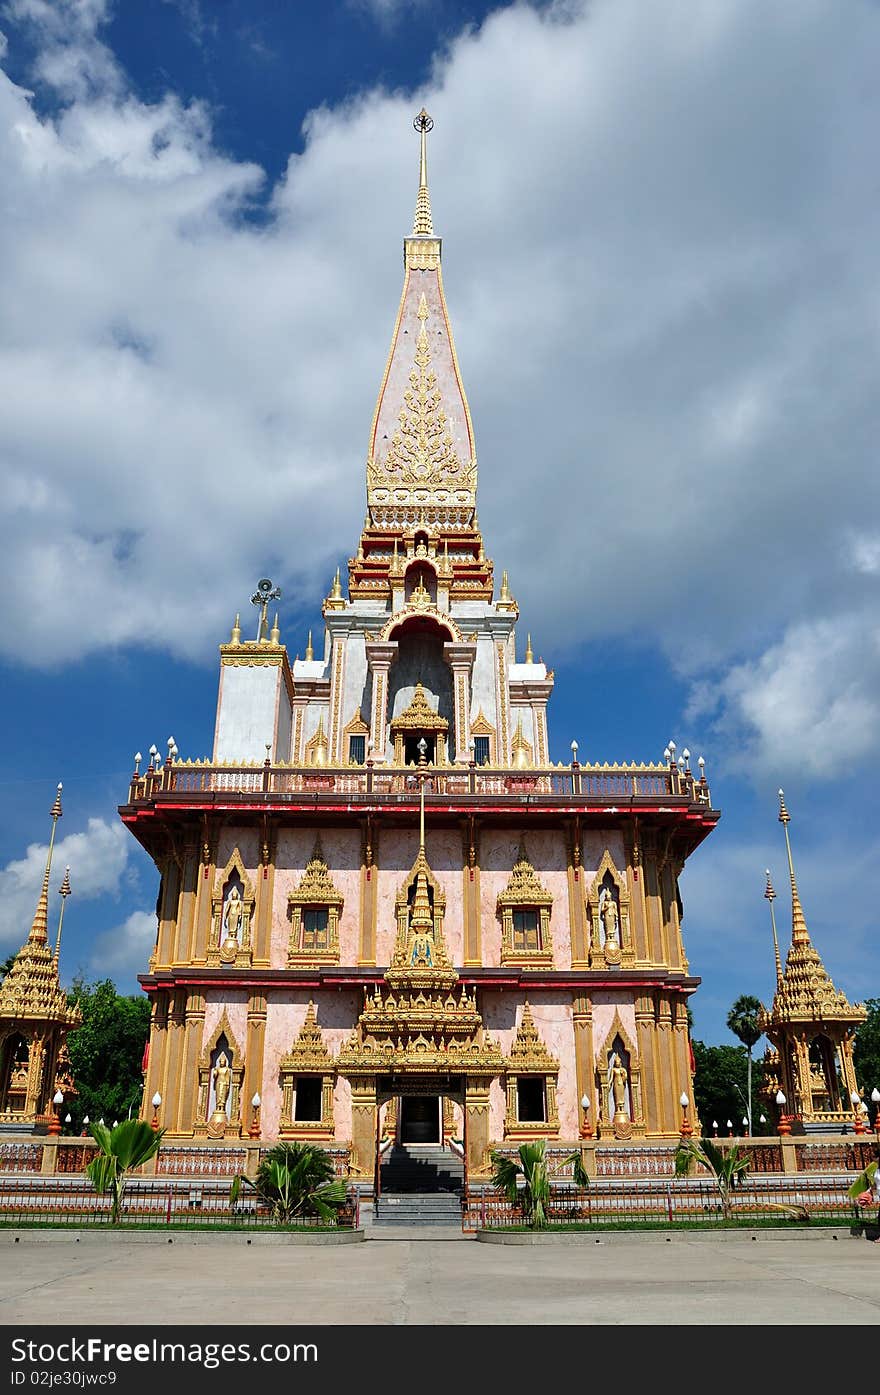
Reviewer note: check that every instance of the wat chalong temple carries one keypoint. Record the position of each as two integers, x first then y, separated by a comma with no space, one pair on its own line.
385,914
809,1072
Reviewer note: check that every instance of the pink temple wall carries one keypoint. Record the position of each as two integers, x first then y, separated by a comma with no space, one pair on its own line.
285,1015
248,844
342,853
547,853
552,1015
594,843
235,1002
605,1004
398,850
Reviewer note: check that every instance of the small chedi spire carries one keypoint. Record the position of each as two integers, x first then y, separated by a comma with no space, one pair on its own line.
235,637
770,894
63,891
530,658
40,926
423,225
310,651
799,932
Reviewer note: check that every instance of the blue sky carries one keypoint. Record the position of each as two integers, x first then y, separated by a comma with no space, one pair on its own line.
660,250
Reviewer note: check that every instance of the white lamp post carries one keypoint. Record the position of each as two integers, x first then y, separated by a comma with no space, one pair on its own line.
156,1101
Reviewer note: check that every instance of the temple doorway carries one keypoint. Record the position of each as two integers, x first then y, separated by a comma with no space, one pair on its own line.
420,1119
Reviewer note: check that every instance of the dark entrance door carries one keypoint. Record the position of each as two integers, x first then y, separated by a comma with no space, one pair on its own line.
420,1119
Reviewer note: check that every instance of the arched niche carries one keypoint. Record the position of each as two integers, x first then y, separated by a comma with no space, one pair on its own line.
222,1042
524,907
608,912
617,1049
406,896
232,912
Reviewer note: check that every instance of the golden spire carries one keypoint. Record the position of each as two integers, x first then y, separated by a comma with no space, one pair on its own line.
799,933
423,225
770,894
63,892
235,637
504,594
335,600
310,652
275,633
40,924
530,658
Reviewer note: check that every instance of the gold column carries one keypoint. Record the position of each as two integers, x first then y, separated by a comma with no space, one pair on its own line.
168,901
261,934
653,908
476,1129
363,1127
369,899
254,1051
577,910
652,1108
670,1087
582,1022
470,894
635,881
207,877
155,1076
183,940
192,1044
170,1087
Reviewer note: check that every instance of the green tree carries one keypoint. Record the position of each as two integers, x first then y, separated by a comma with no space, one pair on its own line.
121,1150
742,1020
6,965
530,1165
721,1084
295,1180
106,1052
866,1054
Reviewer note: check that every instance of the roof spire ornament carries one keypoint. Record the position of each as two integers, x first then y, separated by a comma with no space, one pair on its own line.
770,894
799,933
40,924
63,892
310,650
423,225
530,658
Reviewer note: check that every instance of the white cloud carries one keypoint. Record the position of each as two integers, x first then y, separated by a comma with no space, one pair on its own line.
123,952
661,257
97,856
809,705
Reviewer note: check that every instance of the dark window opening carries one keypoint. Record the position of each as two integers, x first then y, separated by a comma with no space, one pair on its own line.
309,1089
411,751
481,750
357,750
530,1100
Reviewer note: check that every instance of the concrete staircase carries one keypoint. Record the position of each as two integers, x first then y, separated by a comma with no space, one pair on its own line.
421,1186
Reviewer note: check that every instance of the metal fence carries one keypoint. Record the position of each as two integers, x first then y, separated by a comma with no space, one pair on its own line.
190,1207
683,1202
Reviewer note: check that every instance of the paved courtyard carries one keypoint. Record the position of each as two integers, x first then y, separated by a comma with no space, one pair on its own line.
624,1280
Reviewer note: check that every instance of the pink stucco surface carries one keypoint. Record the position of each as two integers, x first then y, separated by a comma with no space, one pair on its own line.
551,1011
420,283
341,849
286,1012
235,1003
248,845
605,1005
397,853
547,853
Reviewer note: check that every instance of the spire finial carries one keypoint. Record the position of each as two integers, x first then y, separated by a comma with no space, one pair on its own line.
423,225
275,632
40,924
336,589
63,892
770,894
530,658
310,651
799,931
235,637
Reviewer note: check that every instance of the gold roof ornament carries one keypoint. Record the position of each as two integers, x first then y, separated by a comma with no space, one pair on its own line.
419,716
524,888
335,600
317,887
529,1053
423,223
310,651
309,1053
31,990
530,658
770,895
521,748
64,891
805,992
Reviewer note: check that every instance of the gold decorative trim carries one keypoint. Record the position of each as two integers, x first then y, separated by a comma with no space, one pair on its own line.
307,1056
524,891
206,1126
529,1056
602,949
608,1124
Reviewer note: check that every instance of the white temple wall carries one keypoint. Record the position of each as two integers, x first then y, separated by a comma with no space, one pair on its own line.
246,711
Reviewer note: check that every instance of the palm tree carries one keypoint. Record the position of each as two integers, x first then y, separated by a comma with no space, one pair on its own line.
742,1020
535,1192
728,1166
121,1150
294,1180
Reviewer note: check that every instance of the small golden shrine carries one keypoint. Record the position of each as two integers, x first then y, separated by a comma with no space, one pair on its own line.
35,1015
811,1025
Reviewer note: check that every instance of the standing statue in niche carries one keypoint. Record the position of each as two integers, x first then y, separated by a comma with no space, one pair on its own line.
618,1080
232,921
610,917
222,1085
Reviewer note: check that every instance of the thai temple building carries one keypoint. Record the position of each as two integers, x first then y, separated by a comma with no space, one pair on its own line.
384,913
35,1017
811,1026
